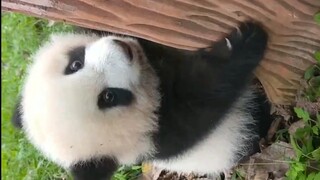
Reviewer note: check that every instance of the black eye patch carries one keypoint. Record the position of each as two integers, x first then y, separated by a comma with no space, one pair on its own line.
111,97
76,60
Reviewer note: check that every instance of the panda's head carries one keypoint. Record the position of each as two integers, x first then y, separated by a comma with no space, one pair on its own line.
89,98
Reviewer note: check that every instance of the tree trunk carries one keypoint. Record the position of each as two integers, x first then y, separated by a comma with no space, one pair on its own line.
190,24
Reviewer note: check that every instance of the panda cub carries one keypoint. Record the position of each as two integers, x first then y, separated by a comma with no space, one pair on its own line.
91,103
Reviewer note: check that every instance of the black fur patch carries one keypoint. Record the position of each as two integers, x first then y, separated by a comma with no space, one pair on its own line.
199,88
76,54
97,169
261,114
121,97
17,115
260,111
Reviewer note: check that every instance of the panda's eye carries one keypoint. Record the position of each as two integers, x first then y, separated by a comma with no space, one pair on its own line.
111,97
76,65
108,97
76,58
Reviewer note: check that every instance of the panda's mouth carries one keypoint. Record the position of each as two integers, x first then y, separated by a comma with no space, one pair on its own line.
126,48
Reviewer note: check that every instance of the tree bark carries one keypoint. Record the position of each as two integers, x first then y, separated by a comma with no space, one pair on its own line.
191,24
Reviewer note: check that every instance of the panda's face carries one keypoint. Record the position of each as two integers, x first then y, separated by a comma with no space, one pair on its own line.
89,97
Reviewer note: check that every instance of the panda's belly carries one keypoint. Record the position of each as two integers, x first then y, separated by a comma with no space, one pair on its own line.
218,152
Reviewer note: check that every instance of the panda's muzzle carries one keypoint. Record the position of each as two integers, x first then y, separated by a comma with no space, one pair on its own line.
126,48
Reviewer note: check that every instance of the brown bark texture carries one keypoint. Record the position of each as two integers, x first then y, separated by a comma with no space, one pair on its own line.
191,24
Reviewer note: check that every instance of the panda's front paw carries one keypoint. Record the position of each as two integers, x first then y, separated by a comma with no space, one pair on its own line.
248,43
247,36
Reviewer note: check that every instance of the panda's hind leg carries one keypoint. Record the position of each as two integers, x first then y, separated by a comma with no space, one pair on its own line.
16,118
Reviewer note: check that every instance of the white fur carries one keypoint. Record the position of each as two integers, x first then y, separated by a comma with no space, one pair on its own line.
107,57
216,153
60,113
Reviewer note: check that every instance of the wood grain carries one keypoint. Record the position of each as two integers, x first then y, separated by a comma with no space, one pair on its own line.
189,24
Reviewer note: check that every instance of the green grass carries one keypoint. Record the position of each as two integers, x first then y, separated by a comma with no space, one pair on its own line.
21,36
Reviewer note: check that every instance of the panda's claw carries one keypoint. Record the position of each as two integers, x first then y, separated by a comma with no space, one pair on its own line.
228,43
239,35
239,31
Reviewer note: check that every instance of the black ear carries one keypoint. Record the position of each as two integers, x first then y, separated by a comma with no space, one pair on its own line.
98,169
17,115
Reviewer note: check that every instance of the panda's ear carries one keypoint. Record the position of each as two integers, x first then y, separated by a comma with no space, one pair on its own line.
17,115
101,168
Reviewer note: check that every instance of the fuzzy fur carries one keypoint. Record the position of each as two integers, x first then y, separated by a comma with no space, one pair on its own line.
190,113
216,153
60,115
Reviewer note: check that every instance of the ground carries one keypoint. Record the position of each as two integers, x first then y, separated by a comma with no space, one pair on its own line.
293,151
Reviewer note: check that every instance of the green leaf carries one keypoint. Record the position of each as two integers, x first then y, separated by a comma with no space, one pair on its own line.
315,130
310,94
299,166
234,176
302,114
316,154
301,132
309,73
295,147
318,117
304,150
136,167
317,56
302,176
317,18
317,176
311,176
309,145
315,82
292,174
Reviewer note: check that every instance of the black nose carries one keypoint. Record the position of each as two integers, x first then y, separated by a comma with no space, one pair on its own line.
125,47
